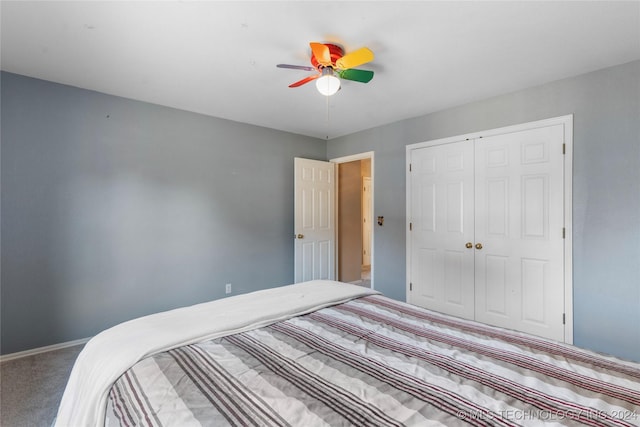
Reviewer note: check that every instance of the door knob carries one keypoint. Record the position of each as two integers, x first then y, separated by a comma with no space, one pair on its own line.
469,245
300,236
478,245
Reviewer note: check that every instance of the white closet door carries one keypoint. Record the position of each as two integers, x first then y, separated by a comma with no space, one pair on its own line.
441,266
519,223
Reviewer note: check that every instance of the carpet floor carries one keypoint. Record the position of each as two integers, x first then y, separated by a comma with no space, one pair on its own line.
31,387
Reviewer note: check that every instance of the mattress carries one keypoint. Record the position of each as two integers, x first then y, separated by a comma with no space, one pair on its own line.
108,355
374,361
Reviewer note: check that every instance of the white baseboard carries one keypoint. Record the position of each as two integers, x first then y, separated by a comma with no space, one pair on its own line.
39,350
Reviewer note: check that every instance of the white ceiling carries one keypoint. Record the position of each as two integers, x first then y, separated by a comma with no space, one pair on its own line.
219,58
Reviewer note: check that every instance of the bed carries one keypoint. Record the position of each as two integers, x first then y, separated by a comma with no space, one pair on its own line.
325,353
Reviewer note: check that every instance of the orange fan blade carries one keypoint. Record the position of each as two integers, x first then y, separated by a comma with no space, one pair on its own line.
321,52
305,80
355,58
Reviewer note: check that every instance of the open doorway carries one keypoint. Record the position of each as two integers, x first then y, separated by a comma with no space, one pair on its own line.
354,213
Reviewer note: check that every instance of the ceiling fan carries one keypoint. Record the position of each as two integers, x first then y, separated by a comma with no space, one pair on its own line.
332,65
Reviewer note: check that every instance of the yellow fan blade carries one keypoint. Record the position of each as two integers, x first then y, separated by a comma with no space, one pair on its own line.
355,58
321,52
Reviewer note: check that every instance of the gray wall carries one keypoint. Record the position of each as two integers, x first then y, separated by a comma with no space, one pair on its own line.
606,191
112,209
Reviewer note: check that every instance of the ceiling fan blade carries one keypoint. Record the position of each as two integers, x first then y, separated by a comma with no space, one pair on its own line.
355,58
296,67
305,80
321,52
362,76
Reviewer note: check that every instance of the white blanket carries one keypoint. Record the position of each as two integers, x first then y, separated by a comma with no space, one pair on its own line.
109,354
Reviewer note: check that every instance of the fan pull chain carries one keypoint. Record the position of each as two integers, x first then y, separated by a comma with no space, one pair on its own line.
328,118
327,98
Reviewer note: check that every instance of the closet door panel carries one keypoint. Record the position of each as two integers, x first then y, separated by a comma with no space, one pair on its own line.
519,216
496,289
442,270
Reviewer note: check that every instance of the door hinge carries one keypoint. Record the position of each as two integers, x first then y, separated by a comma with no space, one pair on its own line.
564,319
564,148
410,286
410,226
564,232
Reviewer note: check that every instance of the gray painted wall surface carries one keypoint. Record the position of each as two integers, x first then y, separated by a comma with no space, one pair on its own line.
113,209
606,191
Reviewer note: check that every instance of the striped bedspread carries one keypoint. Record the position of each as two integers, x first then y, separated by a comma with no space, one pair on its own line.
374,361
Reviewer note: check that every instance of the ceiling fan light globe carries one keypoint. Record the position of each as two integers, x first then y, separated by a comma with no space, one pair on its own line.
328,85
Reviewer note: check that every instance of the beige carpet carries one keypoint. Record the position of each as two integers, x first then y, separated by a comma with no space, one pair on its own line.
31,387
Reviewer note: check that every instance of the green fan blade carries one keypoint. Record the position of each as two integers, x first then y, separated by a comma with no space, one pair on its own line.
363,76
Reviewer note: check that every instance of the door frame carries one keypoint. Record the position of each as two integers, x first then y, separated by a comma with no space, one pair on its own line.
365,180
345,159
567,123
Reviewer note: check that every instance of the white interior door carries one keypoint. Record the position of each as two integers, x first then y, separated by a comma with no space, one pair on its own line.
314,220
519,223
441,220
367,221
